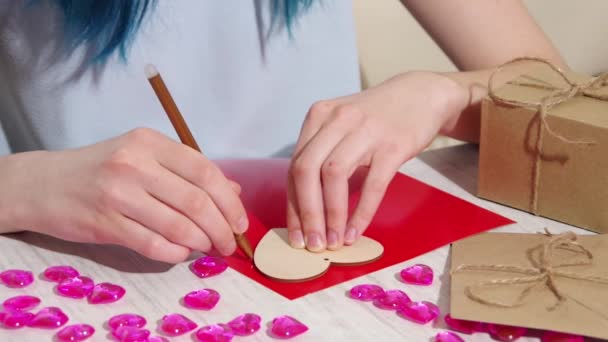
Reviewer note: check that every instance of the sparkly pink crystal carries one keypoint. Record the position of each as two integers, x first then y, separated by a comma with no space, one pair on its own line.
157,339
419,312
506,333
15,319
126,320
465,327
287,327
553,336
205,299
209,266
76,332
104,293
418,274
77,287
60,273
447,336
245,324
366,292
16,278
392,300
131,334
176,324
49,318
214,333
21,303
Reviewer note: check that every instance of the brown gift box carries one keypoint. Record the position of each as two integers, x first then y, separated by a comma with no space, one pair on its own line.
565,117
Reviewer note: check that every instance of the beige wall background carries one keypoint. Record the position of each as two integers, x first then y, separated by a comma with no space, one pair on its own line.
391,41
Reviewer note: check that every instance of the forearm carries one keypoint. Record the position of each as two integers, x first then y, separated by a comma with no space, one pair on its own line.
12,168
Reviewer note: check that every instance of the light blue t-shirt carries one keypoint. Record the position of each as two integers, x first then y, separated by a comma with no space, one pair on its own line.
243,86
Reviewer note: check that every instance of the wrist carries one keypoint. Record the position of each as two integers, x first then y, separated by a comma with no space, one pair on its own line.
452,97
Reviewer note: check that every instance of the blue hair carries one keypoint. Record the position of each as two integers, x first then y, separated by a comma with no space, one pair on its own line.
108,26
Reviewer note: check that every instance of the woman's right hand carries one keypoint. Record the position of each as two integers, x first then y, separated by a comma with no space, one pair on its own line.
141,190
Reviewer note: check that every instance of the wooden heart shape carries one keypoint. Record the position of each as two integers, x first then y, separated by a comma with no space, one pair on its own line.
275,258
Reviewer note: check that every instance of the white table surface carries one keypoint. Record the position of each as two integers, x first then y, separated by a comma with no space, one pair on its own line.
155,289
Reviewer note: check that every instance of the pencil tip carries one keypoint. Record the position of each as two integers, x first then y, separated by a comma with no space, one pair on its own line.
150,71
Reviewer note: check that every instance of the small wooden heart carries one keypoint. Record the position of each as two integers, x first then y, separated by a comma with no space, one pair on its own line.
278,260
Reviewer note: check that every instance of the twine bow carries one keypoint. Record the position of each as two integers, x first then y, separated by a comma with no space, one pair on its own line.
545,272
555,97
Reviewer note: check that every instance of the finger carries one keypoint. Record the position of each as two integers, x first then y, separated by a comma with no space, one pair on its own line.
236,187
383,167
198,170
294,226
149,211
193,203
148,243
306,173
336,170
315,118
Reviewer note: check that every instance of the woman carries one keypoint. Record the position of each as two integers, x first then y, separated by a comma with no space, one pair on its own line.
93,159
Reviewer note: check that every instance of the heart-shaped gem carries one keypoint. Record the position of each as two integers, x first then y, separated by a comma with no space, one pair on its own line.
418,274
75,333
205,299
287,327
131,334
506,333
23,303
16,278
465,327
214,333
447,336
392,300
419,312
60,273
176,324
245,324
76,287
208,266
366,292
126,320
301,264
15,319
104,293
49,318
553,336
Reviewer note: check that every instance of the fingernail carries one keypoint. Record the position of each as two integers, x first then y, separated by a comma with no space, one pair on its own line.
332,239
242,225
351,235
313,242
296,239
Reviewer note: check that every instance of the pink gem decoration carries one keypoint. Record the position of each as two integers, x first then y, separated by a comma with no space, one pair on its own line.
392,300
287,327
506,333
126,320
418,274
49,318
58,274
205,299
16,278
176,324
15,319
157,339
77,287
366,292
419,312
553,336
21,303
104,293
465,327
131,334
75,333
447,336
209,266
245,324
214,333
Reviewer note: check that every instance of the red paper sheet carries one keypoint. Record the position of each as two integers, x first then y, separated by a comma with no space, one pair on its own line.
414,218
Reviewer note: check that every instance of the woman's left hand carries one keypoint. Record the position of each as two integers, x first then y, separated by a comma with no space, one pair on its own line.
380,128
